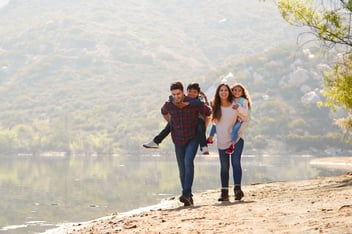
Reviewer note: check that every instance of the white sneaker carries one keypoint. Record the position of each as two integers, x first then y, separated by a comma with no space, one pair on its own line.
151,144
204,150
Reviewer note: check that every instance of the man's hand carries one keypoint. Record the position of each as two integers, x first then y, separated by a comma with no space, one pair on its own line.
167,117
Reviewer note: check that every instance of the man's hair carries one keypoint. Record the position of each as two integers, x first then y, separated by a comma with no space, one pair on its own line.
176,85
193,85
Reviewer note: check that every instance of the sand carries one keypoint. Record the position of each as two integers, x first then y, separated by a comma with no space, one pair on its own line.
321,205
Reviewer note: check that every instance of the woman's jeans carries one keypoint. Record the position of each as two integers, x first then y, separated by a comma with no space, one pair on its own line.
185,155
235,162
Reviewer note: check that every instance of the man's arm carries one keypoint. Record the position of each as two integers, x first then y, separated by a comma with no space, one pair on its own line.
167,117
164,111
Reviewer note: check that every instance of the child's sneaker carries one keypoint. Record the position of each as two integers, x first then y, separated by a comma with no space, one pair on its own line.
210,141
230,150
204,150
151,144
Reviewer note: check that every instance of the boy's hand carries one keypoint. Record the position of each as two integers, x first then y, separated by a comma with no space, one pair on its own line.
181,104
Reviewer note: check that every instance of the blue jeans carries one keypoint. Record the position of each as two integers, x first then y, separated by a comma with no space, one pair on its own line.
235,162
212,130
185,155
235,129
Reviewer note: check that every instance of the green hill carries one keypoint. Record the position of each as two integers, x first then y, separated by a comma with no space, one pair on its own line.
90,76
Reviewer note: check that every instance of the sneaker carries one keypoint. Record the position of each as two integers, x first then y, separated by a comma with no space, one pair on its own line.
151,144
238,194
210,141
204,150
187,201
230,150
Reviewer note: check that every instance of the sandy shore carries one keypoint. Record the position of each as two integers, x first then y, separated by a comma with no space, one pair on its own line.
321,205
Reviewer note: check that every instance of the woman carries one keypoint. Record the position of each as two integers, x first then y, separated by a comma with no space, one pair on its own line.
225,116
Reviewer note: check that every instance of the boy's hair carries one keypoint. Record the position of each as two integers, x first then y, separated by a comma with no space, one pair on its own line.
176,85
193,85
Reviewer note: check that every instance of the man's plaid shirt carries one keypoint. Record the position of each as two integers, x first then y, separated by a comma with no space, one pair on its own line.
184,120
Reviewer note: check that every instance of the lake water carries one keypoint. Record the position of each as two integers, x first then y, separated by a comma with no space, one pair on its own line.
38,193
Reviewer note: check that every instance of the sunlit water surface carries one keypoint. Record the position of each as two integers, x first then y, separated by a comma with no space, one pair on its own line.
38,193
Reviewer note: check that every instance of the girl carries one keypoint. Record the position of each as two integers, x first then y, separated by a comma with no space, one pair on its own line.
243,104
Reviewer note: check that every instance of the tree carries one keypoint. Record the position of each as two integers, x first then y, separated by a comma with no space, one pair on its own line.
330,22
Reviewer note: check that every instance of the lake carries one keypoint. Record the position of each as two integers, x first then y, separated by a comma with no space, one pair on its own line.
38,193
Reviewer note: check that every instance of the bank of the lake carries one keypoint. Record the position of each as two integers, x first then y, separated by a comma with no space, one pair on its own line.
320,205
38,193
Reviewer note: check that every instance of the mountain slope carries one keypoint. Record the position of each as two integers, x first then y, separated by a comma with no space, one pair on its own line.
90,76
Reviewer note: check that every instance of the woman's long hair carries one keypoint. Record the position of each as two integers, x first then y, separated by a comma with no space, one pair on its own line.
216,102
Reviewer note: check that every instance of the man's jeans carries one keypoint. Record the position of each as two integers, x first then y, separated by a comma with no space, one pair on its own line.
185,155
235,162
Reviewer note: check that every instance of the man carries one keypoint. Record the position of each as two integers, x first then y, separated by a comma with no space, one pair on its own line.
183,119
193,91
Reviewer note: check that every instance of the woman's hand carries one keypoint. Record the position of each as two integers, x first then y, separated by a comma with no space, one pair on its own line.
235,107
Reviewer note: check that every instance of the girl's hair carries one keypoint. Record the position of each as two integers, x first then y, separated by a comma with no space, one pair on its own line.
245,93
216,102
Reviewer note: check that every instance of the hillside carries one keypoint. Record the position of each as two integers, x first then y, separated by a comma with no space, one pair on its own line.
90,76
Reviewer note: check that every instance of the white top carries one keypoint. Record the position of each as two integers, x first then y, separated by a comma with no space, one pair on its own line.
224,126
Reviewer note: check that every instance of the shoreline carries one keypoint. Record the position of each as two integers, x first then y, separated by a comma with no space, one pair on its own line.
343,162
308,206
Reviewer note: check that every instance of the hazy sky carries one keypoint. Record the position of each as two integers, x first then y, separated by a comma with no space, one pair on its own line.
3,2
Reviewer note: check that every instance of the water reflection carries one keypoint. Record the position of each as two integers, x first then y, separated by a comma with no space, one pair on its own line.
38,193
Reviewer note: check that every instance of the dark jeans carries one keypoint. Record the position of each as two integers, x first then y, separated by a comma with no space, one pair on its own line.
163,134
201,128
235,162
185,155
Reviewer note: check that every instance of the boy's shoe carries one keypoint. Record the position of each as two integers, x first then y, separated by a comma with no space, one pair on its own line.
230,150
151,144
204,150
210,141
187,201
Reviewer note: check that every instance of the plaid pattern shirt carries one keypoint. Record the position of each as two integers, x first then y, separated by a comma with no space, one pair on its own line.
184,120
